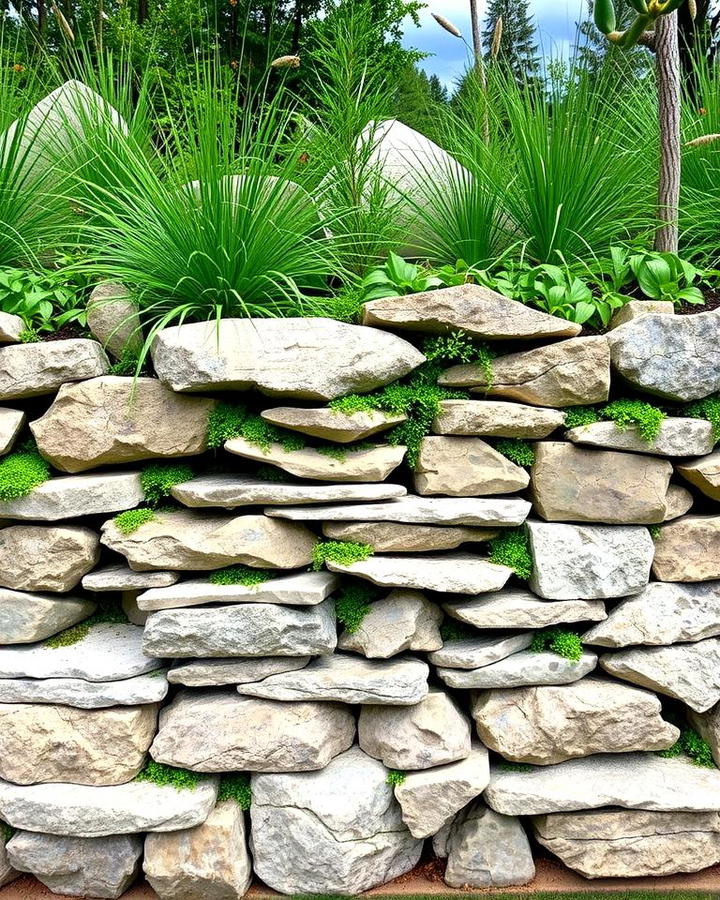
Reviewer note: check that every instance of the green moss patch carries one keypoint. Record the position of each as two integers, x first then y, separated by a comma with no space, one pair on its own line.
344,553
22,471
236,787
451,630
395,777
242,575
232,420
107,613
690,744
577,416
557,640
159,479
352,603
521,452
512,548
707,408
635,413
340,451
508,766
129,521
159,773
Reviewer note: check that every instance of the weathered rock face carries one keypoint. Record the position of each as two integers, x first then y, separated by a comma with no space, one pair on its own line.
472,653
704,473
331,424
520,670
186,540
212,672
475,309
707,725
218,731
26,618
110,579
311,359
88,811
465,467
348,679
40,744
370,465
11,327
661,614
496,418
209,861
112,317
7,873
570,484
636,308
678,501
429,798
81,495
11,424
394,537
249,629
486,849
631,843
571,373
522,609
688,549
112,420
686,369
31,370
79,867
334,831
589,561
37,558
404,620
431,733
546,725
689,672
142,689
676,437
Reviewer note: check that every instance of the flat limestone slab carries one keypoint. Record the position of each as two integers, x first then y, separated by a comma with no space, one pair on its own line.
108,652
496,418
26,618
149,688
396,537
243,490
473,653
303,589
122,578
89,811
629,780
454,573
488,512
77,495
332,424
676,437
213,672
519,670
348,679
522,609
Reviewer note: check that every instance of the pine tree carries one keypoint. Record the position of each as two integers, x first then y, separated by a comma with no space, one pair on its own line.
518,49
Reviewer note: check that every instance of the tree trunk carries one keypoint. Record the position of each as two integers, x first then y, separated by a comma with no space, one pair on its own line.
667,62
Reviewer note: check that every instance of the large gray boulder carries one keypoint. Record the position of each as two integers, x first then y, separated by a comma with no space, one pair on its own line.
336,831
311,359
77,496
32,370
46,558
26,618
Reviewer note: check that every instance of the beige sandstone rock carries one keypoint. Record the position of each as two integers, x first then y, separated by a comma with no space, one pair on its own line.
678,501
496,418
75,496
11,327
112,317
42,558
404,620
465,467
42,743
688,549
331,424
11,424
522,609
636,308
704,473
118,420
395,537
31,370
26,618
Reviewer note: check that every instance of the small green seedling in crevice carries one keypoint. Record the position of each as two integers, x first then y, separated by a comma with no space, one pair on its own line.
395,777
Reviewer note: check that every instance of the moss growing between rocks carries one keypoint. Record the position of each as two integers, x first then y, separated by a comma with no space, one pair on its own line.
459,347
452,630
508,766
224,423
654,531
22,471
28,336
516,450
707,408
340,451
242,575
628,413
130,520
236,787
159,479
395,777
232,420
345,553
108,612
561,641
352,604
159,773
6,831
692,745
272,474
576,416
512,548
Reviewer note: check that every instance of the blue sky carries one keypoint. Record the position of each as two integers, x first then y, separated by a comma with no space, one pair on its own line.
555,20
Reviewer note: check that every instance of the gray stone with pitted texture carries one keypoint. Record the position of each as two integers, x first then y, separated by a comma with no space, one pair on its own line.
336,831
311,359
477,310
485,512
244,490
589,562
671,356
109,652
112,420
113,319
395,537
486,849
32,370
475,652
110,579
246,629
302,589
213,672
77,496
496,418
572,484
465,467
42,558
333,424
11,424
662,613
519,608
11,327
704,473
521,670
629,780
90,811
676,437
688,549
431,733
688,672
404,620
429,798
453,573
219,731
348,679
571,373
549,724
26,618
198,541
78,867
142,689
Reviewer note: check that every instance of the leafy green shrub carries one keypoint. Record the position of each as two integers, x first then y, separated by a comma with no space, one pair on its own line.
516,450
561,641
576,416
44,300
627,413
130,520
236,787
345,553
241,574
665,276
707,408
691,744
107,613
451,630
22,471
512,548
158,479
352,603
159,773
395,777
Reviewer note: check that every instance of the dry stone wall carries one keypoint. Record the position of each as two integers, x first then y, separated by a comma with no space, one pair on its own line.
315,640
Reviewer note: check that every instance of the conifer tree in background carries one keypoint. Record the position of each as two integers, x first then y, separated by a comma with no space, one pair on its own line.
518,47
